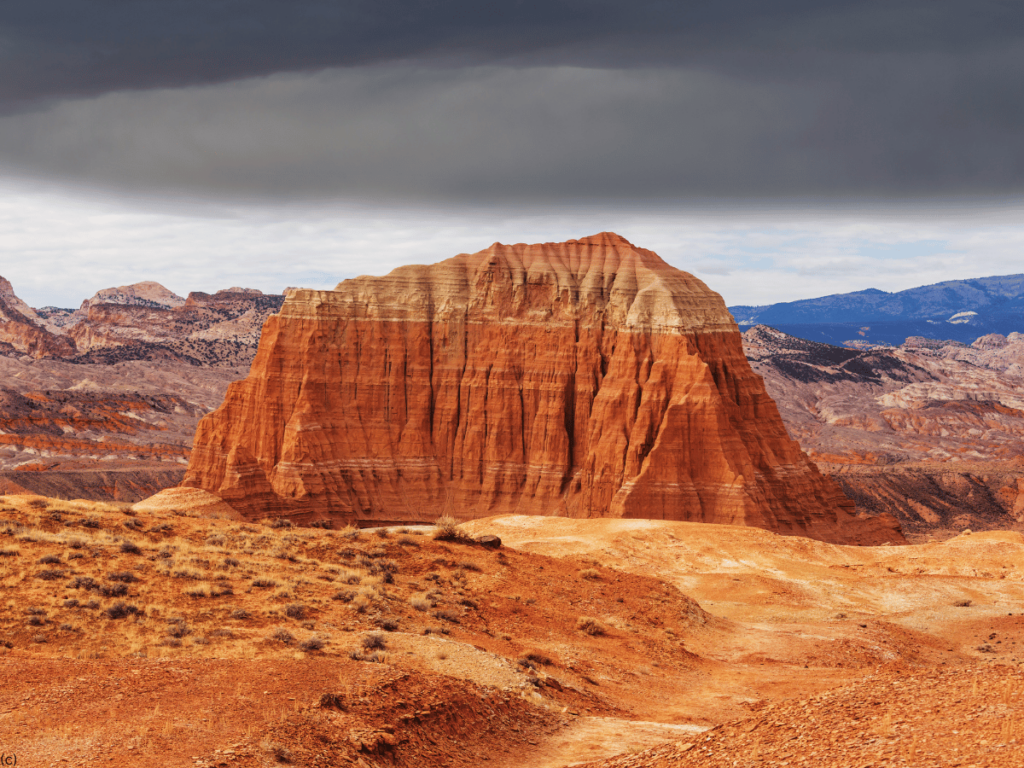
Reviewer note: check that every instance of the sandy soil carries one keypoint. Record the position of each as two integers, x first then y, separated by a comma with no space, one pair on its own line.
576,641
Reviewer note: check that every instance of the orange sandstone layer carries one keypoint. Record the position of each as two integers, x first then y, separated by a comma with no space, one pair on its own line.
585,379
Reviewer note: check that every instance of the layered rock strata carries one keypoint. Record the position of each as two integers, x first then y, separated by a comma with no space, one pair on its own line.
586,379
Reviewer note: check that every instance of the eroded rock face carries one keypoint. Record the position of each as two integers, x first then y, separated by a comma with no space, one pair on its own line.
586,378
23,332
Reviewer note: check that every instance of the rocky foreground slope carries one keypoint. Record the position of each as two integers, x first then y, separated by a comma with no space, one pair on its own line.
141,637
932,431
585,379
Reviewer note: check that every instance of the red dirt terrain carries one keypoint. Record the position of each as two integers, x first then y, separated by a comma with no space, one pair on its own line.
138,637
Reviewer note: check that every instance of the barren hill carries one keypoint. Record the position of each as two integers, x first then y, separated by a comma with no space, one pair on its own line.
156,636
102,402
930,431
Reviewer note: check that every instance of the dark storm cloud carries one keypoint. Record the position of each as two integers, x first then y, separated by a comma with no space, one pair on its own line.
58,48
515,101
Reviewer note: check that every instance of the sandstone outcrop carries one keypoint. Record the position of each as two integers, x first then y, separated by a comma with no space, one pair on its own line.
585,379
114,417
23,332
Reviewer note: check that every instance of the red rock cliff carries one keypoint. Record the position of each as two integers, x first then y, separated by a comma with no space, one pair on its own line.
586,378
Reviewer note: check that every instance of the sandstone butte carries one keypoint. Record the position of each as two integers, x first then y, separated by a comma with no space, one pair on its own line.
584,379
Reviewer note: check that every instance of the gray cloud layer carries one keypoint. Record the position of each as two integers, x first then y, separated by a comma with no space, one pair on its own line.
560,100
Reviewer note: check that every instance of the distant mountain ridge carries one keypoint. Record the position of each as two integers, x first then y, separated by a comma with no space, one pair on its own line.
962,310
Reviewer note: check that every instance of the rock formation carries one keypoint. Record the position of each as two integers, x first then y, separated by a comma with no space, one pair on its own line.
103,401
931,431
586,379
23,332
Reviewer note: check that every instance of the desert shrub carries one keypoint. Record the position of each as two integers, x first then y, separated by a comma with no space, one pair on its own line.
36,621
76,543
345,596
324,524
92,605
130,548
280,522
38,503
197,591
590,573
126,576
171,642
469,565
186,573
536,656
221,589
75,555
332,701
178,628
962,604
222,632
120,610
447,529
200,641
264,583
91,522
282,636
84,582
388,625
49,560
240,613
351,577
39,639
446,615
230,562
71,603
279,752
408,541
65,627
378,657
590,626
35,610
350,532
469,603
114,590
420,603
374,641
52,574
132,523
9,553
312,644
295,611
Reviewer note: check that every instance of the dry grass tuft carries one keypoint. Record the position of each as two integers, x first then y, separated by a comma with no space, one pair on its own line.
590,626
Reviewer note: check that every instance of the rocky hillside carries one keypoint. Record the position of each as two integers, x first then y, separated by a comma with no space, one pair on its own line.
586,379
102,402
931,431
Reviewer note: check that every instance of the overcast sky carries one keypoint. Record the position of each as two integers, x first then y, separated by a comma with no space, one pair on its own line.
778,150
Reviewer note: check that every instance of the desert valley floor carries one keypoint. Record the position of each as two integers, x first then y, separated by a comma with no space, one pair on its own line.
165,637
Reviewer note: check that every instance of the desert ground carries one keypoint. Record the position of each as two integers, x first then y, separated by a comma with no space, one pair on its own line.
168,637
